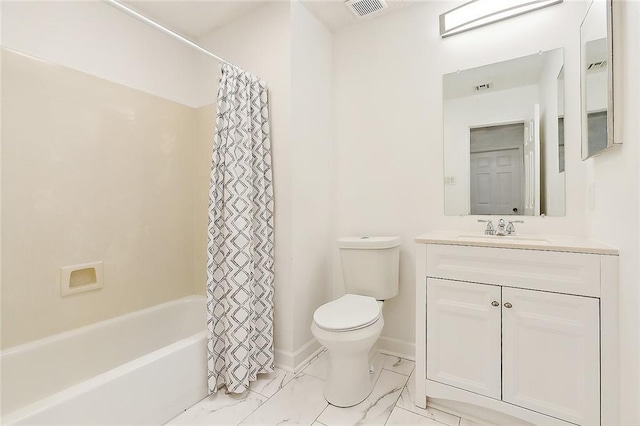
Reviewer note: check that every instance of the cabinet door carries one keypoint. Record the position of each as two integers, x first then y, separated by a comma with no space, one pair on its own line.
551,356
463,335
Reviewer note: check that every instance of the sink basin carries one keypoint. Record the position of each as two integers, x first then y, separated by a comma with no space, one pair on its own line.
514,239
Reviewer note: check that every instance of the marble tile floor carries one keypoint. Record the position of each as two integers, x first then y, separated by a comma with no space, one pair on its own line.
284,398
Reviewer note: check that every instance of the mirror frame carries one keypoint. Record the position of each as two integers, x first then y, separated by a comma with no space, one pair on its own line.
611,141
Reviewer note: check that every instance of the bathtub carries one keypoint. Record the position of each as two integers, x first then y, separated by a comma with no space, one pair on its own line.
142,368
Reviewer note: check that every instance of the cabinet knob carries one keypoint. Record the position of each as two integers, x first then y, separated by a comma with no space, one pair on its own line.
494,303
508,305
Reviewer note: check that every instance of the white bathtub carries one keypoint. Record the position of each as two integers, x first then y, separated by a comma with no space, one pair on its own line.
141,368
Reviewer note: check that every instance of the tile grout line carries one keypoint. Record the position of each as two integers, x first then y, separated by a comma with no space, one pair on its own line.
258,407
397,372
268,397
395,404
458,423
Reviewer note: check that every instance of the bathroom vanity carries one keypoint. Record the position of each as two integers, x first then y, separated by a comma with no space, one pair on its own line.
523,326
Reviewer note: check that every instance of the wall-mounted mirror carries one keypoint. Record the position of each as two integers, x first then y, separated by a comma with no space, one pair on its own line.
597,79
504,138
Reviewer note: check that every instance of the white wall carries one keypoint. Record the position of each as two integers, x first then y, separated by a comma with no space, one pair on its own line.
99,40
312,172
615,216
260,42
388,124
461,114
388,118
286,46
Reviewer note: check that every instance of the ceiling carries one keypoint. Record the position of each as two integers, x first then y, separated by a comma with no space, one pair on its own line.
335,15
195,18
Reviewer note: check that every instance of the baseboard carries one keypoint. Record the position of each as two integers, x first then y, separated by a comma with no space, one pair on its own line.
480,415
306,353
284,360
396,347
295,361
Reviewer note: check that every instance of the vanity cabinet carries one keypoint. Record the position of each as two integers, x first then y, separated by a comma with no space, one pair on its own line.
527,332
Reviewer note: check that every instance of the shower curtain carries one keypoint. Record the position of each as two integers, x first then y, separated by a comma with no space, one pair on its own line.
240,265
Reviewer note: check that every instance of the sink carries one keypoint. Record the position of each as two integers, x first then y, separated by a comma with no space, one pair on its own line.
514,239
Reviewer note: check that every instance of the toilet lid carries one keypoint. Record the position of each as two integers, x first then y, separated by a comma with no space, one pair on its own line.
350,312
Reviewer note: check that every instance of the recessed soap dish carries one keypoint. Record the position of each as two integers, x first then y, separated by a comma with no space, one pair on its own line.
80,278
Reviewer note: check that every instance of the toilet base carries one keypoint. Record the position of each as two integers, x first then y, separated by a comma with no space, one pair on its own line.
349,381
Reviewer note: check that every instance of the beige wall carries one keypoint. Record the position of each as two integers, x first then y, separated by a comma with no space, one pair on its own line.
91,170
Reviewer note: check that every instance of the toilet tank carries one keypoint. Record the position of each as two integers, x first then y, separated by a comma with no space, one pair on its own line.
370,265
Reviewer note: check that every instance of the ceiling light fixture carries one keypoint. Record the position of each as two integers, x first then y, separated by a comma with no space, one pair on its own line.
478,13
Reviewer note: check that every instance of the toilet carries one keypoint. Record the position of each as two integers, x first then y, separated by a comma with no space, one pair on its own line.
349,326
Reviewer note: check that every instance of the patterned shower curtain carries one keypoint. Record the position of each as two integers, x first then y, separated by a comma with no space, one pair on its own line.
240,265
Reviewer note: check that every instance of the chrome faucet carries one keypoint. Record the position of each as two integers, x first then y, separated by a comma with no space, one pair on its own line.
489,229
501,230
511,230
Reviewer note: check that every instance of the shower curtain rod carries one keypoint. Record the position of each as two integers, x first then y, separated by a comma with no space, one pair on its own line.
164,29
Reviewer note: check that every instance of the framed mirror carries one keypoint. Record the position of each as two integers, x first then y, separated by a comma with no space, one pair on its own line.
504,138
596,57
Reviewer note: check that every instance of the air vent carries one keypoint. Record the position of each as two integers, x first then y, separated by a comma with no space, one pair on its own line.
594,66
362,8
480,87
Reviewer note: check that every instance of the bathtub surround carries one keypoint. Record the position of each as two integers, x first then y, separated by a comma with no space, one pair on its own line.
240,236
92,171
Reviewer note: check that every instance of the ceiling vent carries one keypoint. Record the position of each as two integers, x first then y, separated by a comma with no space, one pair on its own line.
595,66
481,87
362,8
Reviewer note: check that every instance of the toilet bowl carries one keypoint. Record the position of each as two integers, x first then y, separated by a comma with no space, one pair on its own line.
348,327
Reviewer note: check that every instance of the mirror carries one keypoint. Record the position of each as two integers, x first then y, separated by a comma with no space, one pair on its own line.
504,138
596,79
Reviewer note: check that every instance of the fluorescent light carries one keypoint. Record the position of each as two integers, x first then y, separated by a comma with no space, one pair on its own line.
477,13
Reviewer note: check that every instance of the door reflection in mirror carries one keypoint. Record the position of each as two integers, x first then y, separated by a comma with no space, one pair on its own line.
497,159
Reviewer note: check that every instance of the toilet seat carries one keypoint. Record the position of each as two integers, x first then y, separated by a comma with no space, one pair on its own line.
350,312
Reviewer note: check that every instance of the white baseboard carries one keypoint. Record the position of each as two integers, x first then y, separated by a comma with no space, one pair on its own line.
306,353
284,360
396,347
295,361
480,415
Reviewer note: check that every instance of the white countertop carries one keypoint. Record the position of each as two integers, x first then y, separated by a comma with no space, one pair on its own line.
521,242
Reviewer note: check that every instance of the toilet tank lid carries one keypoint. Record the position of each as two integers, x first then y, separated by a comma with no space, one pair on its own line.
365,242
